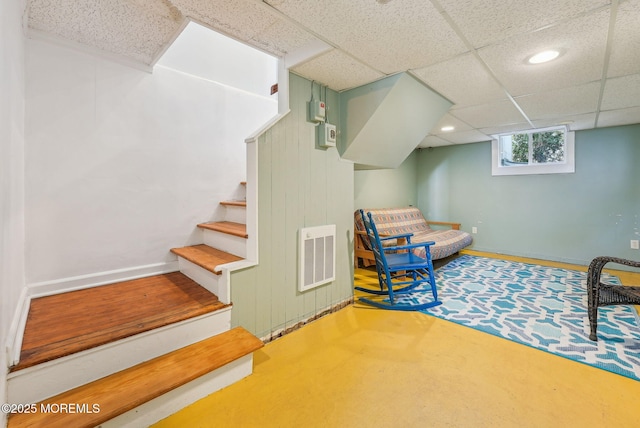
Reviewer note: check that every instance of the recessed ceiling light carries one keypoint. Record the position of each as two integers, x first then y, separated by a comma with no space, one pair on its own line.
544,56
447,128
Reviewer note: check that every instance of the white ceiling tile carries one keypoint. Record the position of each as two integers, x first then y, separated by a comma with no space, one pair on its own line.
573,122
582,44
69,19
449,120
160,8
625,53
621,92
561,102
241,19
514,127
115,33
360,41
392,37
488,21
337,70
489,115
107,25
281,38
626,116
463,80
433,141
465,137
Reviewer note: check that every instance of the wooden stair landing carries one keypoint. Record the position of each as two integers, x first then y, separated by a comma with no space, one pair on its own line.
228,227
208,258
125,390
66,323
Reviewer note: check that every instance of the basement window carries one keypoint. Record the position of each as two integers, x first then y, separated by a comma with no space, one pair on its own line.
536,151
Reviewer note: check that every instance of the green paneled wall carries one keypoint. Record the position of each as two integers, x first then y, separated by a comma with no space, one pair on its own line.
298,186
563,217
380,188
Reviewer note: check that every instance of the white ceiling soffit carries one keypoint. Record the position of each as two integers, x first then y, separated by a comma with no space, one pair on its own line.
473,52
385,121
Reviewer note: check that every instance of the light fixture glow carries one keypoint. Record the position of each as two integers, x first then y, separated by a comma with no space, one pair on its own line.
544,56
447,128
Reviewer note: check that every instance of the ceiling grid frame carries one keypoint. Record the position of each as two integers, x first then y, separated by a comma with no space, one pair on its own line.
139,31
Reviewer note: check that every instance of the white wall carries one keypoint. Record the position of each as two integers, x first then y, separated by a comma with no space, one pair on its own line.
12,89
121,164
202,52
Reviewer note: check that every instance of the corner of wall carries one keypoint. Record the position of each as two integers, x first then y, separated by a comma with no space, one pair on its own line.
12,86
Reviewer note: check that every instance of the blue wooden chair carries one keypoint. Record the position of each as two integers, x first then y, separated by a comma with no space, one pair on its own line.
400,272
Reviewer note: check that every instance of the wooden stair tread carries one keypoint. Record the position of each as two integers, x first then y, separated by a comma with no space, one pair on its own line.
125,390
228,227
234,203
206,257
63,324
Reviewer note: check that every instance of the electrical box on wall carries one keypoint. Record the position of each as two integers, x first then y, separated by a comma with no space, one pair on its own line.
317,111
327,134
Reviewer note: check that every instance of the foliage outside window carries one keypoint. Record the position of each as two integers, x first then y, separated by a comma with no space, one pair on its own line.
538,151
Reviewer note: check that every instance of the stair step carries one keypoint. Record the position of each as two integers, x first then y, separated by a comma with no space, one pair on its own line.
242,203
130,388
208,258
67,323
228,227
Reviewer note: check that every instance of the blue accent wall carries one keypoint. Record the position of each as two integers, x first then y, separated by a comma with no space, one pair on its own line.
563,217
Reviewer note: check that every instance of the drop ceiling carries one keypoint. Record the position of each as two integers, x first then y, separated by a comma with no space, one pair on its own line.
472,52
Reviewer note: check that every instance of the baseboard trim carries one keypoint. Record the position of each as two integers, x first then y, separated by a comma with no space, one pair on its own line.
16,329
528,255
321,313
63,285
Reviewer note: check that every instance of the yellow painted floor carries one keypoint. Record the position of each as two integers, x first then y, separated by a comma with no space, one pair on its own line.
363,367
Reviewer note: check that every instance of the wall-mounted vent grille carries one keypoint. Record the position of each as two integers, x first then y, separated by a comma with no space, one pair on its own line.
317,256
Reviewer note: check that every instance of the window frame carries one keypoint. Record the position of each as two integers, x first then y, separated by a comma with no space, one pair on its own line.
565,167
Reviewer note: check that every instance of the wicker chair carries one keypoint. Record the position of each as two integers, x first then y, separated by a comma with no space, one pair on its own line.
602,294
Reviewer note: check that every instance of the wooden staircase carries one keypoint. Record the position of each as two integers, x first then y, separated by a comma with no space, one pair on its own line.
228,227
139,350
107,401
68,323
206,257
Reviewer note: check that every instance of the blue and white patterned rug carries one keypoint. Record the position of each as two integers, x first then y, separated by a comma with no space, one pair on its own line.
539,306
